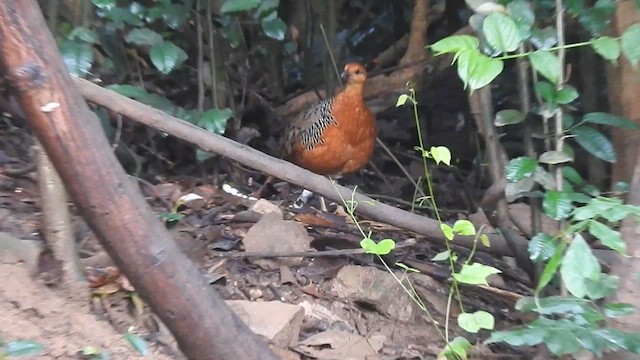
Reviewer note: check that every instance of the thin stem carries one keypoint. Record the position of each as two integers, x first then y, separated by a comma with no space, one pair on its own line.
200,56
559,132
333,60
212,56
560,48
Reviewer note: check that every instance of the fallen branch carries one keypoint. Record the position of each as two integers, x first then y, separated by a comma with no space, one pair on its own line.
273,166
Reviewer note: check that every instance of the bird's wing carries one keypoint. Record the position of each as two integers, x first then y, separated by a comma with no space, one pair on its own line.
308,126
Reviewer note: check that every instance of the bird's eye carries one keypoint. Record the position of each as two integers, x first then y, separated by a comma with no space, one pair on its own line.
357,71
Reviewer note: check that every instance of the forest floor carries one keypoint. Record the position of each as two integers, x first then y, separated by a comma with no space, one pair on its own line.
347,294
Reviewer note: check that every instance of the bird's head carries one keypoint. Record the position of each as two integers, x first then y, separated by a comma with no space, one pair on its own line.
354,73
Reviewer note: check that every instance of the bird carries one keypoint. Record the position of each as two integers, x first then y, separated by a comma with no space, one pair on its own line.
335,136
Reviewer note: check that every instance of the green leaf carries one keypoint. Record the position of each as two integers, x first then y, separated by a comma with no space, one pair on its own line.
615,214
455,44
231,31
473,322
267,7
621,187
523,16
441,154
518,189
170,216
21,348
543,39
383,247
551,267
166,56
520,337
215,120
131,91
544,178
556,204
104,4
601,286
508,117
121,16
83,34
541,247
230,6
630,42
521,11
77,57
475,274
441,256
609,119
592,210
572,175
464,227
618,309
578,264
143,36
447,231
484,239
456,349
547,64
554,157
594,142
520,168
561,305
501,32
560,336
144,97
597,18
137,343
607,47
566,95
477,70
402,99
274,28
609,237
545,90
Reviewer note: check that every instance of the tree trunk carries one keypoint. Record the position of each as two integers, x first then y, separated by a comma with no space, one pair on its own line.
624,87
628,268
204,326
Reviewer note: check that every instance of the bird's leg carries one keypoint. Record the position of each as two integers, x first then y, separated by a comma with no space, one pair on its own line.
323,204
302,199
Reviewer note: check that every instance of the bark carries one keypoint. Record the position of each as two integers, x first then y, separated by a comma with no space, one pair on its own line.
624,87
628,268
204,326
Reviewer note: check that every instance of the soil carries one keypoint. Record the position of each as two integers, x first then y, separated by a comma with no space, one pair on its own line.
64,325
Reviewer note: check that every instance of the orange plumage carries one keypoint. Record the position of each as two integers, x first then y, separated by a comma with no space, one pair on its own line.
335,136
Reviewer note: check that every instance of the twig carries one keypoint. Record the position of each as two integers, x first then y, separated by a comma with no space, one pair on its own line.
333,59
326,253
402,168
118,134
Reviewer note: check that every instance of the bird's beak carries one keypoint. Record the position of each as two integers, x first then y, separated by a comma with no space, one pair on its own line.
344,75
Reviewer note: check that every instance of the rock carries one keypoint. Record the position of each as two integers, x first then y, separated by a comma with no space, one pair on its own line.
276,321
336,345
376,288
273,235
264,206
